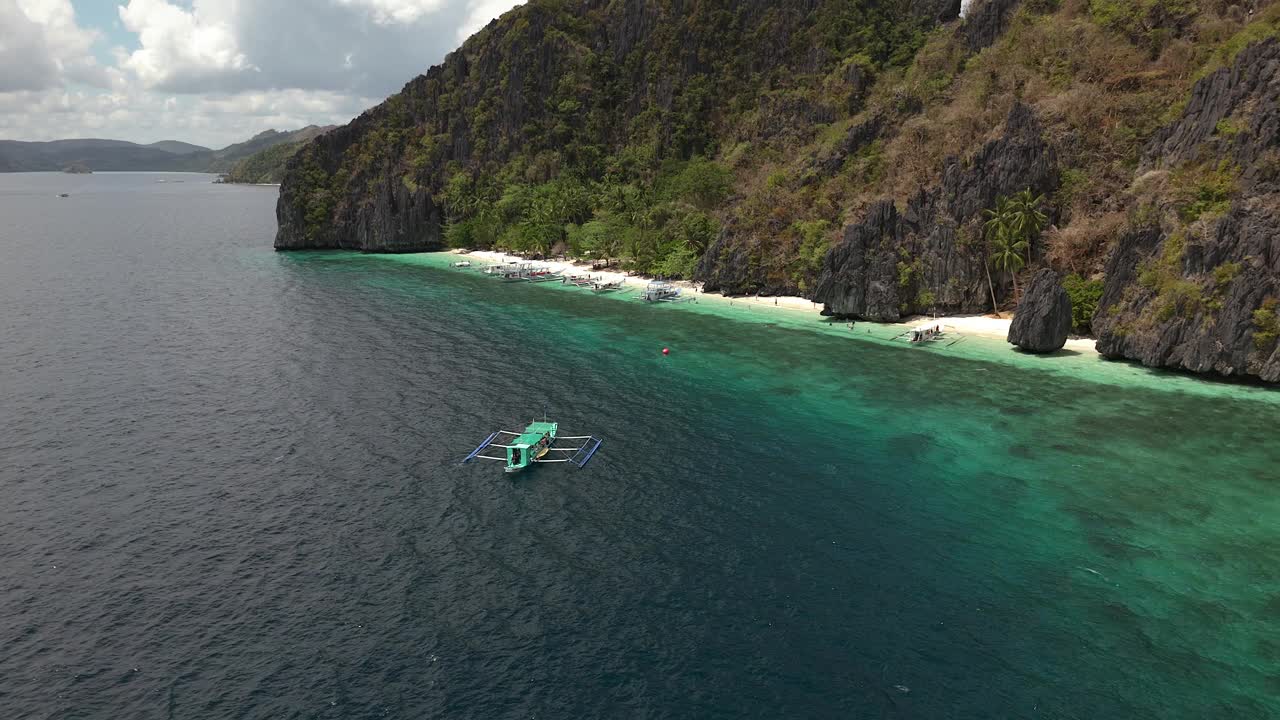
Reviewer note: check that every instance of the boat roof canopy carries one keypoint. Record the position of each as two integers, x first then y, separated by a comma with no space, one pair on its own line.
535,432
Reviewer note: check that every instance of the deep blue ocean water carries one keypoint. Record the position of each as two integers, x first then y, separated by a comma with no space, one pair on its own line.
229,489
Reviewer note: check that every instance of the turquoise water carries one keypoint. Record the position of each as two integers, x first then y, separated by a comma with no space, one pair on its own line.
231,489
1117,525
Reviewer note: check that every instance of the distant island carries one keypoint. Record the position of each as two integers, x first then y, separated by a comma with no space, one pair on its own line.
89,155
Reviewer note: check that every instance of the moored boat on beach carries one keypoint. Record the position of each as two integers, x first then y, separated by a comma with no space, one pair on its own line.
515,272
661,291
501,269
580,280
927,332
538,276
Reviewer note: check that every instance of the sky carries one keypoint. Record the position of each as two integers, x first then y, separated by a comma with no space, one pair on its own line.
214,72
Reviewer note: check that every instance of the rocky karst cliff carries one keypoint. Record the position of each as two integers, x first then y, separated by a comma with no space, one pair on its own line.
586,88
1197,289
929,257
846,151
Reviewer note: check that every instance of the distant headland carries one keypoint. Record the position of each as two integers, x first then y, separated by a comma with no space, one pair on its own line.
262,156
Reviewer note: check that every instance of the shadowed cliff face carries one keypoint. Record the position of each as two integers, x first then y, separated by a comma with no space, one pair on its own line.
930,256
1197,297
389,216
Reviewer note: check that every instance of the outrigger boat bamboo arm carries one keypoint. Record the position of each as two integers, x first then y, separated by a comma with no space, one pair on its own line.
521,454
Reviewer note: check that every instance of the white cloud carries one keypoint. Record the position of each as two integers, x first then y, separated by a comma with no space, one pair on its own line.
42,46
480,12
368,47
141,116
218,71
182,45
386,12
25,61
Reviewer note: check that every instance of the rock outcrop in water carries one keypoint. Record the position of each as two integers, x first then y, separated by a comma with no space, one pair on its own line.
1043,320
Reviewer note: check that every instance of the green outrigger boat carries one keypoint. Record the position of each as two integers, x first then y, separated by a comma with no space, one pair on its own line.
537,444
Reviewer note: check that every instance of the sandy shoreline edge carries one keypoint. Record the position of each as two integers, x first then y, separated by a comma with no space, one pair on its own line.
981,325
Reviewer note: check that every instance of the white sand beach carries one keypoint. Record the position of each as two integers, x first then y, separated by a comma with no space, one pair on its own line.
981,325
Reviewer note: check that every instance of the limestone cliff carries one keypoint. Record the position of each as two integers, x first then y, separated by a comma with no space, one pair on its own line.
1199,293
556,88
929,257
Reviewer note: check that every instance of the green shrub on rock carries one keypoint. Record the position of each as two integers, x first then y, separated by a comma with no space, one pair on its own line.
1084,295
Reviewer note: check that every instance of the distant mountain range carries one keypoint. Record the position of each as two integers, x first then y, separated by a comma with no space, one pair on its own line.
171,155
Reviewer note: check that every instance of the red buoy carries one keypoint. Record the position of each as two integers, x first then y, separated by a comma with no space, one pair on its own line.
666,351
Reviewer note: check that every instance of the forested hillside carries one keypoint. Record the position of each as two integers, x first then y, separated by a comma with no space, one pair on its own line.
271,151
263,167
854,152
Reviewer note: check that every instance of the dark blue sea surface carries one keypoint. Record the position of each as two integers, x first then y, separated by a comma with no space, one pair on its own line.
229,489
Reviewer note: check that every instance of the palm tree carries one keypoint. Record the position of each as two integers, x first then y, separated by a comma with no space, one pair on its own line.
1006,255
634,206
1026,219
1000,220
999,225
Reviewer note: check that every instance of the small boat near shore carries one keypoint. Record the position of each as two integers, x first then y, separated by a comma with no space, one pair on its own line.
516,272
501,269
662,291
581,280
925,332
540,276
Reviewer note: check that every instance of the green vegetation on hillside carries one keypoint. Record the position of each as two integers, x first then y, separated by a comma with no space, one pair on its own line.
1084,295
660,227
763,130
593,149
266,166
